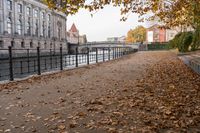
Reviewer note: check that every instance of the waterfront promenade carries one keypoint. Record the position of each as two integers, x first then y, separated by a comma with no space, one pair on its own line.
150,91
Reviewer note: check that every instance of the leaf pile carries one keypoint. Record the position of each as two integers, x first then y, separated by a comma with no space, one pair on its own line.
167,99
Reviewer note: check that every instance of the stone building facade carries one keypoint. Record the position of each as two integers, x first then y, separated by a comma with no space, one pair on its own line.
27,24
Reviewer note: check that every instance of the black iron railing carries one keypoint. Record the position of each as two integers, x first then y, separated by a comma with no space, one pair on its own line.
20,63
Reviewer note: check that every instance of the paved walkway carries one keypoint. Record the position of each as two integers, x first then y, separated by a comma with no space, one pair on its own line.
125,95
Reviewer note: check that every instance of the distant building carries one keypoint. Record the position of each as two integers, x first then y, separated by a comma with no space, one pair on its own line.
121,39
158,33
74,37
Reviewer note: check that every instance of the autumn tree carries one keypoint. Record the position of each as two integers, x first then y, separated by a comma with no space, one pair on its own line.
173,13
136,35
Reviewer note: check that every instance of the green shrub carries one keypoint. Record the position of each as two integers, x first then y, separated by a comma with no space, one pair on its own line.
182,41
174,42
185,40
196,40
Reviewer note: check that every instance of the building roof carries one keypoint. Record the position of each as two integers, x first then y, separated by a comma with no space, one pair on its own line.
73,28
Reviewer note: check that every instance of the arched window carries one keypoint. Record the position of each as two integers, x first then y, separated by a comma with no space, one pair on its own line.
9,25
28,11
19,27
19,8
9,4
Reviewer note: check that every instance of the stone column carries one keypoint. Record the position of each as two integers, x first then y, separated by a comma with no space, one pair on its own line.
32,22
5,16
40,23
1,17
24,18
14,17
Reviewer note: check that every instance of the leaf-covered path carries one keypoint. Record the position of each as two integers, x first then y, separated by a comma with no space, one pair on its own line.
146,91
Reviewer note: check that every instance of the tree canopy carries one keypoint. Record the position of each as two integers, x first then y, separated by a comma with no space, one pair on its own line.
170,12
136,35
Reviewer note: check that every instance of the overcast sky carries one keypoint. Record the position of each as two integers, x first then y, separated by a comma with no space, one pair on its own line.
104,23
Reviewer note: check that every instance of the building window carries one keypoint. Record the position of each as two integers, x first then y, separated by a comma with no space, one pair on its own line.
19,27
28,11
43,15
9,25
31,44
59,33
22,44
12,44
9,4
45,45
36,13
36,28
49,32
43,29
28,26
49,18
51,45
49,25
19,8
1,44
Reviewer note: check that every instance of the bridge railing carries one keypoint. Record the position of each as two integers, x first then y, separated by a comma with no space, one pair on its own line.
21,63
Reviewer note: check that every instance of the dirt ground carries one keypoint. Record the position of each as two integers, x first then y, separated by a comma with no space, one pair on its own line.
142,92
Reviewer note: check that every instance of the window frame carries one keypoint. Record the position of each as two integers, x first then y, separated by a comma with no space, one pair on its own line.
28,11
19,8
9,5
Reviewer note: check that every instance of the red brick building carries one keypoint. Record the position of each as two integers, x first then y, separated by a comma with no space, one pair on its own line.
156,33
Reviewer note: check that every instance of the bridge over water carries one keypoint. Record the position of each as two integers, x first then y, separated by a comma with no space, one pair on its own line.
92,45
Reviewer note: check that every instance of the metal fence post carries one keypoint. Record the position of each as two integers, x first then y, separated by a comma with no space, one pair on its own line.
103,55
76,56
51,60
120,52
88,56
61,59
117,49
96,55
109,53
38,60
115,52
10,63
28,61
